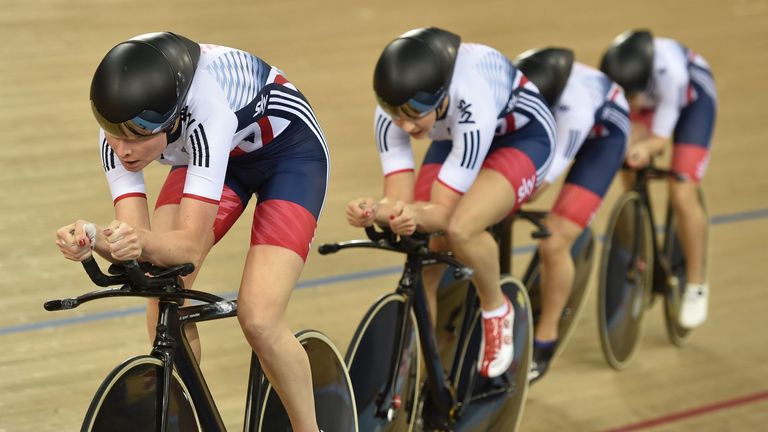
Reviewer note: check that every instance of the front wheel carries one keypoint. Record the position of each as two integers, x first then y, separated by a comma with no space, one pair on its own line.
127,400
673,253
334,398
625,279
386,387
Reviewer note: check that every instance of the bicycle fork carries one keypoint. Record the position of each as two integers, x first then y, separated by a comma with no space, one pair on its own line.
440,400
388,401
164,347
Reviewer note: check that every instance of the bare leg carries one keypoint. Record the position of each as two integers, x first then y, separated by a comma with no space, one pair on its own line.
431,277
490,198
269,277
557,272
692,223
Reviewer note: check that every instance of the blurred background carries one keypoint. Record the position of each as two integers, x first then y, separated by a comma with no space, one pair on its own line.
50,175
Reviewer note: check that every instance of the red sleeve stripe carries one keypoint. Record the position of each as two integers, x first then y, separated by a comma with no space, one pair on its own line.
398,172
200,198
449,186
130,195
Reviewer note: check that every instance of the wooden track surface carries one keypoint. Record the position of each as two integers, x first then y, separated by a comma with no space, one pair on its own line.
51,363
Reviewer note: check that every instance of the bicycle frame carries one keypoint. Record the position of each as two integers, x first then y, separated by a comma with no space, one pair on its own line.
170,345
172,392
661,268
441,400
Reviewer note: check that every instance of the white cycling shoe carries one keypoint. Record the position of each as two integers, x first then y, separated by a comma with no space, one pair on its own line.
694,305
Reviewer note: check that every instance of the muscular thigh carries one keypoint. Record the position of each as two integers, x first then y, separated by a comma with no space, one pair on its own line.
231,205
488,201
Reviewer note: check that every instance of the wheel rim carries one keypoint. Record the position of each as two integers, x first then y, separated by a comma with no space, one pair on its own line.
582,253
626,276
332,389
370,358
127,400
673,252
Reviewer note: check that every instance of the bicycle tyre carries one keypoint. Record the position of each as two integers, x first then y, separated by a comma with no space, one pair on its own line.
582,253
625,279
370,360
496,404
126,400
334,397
673,252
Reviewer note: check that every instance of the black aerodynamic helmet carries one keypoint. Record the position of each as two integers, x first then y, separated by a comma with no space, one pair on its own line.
629,60
140,86
548,68
414,71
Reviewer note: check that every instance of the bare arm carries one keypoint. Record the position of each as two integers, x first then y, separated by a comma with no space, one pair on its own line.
184,243
639,154
397,210
432,216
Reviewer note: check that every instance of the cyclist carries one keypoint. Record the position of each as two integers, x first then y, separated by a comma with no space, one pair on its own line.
673,100
231,126
592,119
492,137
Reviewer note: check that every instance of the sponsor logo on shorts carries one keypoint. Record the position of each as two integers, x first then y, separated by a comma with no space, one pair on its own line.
526,188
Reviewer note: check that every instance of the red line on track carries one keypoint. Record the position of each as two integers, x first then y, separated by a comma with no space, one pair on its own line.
692,412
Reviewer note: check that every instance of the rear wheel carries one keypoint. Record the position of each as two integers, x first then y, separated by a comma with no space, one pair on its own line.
673,252
127,400
625,279
372,362
332,388
496,404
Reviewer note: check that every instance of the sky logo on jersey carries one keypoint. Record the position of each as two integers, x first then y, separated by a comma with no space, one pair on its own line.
261,106
466,114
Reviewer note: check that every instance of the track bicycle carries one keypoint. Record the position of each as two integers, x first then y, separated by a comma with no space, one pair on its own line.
636,267
396,334
165,390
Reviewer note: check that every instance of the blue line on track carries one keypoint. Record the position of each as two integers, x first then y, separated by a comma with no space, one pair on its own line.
347,277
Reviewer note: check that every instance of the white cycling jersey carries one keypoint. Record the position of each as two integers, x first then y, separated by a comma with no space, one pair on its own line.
488,96
237,103
588,99
669,90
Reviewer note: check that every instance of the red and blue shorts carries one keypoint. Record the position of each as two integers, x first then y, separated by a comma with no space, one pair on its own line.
289,176
519,156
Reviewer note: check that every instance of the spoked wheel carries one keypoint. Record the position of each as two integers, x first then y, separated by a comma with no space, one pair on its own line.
332,388
496,404
127,400
625,279
372,359
582,253
673,252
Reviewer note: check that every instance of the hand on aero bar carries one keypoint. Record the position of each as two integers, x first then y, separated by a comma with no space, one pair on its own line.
77,240
123,241
402,219
361,212
638,155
